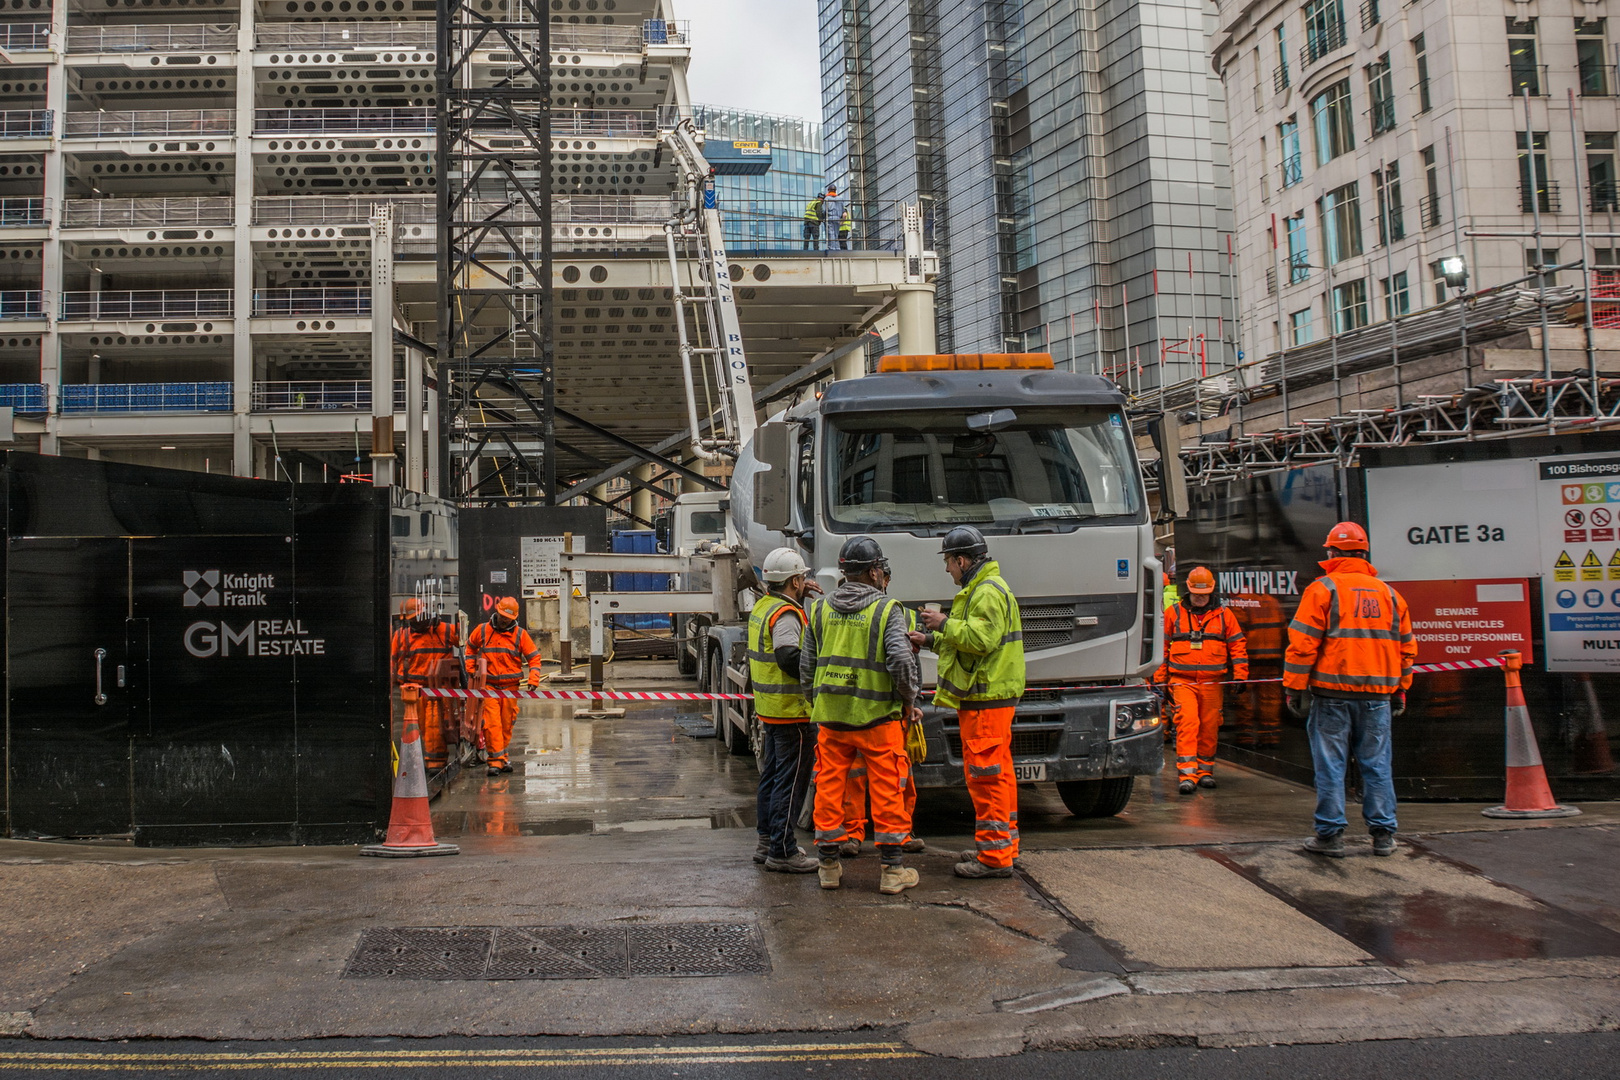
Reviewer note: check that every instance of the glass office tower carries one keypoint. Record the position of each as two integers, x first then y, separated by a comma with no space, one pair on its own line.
1070,158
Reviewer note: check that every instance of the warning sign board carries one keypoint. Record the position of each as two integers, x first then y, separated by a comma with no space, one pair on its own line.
1580,600
1468,620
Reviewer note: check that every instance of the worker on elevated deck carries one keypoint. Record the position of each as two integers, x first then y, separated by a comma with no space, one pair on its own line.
981,674
775,628
1203,647
861,677
509,649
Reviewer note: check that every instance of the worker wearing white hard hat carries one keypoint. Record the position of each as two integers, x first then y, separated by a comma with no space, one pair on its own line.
789,753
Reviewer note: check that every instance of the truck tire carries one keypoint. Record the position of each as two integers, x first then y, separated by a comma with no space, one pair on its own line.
737,740
685,660
1096,798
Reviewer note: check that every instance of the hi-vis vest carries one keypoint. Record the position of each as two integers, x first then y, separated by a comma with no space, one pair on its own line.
981,645
812,210
852,681
1201,646
776,693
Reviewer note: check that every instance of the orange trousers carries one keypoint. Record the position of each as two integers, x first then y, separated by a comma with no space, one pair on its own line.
499,716
855,801
888,775
432,711
987,761
1198,724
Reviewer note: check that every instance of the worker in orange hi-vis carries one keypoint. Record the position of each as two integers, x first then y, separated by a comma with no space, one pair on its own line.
419,646
507,649
1203,645
1260,703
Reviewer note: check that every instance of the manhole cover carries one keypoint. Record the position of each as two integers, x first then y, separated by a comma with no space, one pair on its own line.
428,952
687,950
559,952
698,949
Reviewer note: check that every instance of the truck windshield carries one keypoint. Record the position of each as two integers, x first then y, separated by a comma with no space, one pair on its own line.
899,470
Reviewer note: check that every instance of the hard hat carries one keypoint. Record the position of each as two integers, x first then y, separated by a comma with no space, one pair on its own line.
964,540
506,607
860,552
1201,581
784,564
1347,536
410,608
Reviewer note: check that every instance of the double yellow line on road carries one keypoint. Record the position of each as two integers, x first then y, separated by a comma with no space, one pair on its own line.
572,1057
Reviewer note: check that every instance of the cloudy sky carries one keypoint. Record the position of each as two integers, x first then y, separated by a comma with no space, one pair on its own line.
755,54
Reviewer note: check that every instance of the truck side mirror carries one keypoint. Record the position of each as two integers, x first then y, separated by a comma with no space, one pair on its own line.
661,530
772,487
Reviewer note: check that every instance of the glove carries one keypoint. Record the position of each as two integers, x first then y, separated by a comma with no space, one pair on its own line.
1296,704
1397,704
534,681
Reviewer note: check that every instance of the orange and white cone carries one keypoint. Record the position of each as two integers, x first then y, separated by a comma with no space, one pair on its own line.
1528,795
410,826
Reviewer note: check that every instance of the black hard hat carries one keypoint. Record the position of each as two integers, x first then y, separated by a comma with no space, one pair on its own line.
858,553
964,540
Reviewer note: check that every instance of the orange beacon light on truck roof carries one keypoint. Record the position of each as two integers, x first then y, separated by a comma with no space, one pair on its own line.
966,362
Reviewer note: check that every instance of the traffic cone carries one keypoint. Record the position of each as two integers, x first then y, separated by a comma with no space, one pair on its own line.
410,828
1528,795
1592,754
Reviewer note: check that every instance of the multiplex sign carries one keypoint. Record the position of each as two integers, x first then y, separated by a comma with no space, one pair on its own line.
254,637
1258,582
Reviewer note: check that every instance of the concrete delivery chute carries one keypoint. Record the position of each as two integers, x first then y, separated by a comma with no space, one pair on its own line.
1040,460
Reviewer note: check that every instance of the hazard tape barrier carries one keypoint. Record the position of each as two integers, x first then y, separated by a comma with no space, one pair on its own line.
675,695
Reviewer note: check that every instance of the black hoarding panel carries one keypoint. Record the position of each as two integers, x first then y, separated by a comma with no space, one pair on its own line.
67,602
344,775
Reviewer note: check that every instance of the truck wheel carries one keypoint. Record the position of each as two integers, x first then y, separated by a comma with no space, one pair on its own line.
685,662
1096,798
737,738
756,735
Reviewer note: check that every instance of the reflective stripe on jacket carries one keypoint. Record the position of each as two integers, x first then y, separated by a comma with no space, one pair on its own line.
776,693
1201,646
420,654
852,681
981,644
1263,626
812,210
508,653
1352,635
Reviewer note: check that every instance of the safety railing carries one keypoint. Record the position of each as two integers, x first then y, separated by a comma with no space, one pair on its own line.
147,304
125,213
22,304
319,396
26,123
279,210
142,123
580,38
23,397
22,212
25,37
322,121
1540,198
344,35
666,32
340,300
1319,41
609,123
152,38
784,225
146,397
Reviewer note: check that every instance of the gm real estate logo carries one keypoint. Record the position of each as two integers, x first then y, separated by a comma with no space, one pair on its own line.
254,637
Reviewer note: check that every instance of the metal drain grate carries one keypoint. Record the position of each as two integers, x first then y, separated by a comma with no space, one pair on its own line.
687,950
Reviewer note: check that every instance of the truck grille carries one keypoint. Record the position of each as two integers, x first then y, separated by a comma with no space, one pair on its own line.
1046,626
1025,744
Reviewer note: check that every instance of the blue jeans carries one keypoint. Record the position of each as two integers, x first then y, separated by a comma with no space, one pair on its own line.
784,777
1336,729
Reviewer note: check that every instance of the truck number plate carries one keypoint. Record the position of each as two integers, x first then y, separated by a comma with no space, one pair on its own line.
1029,771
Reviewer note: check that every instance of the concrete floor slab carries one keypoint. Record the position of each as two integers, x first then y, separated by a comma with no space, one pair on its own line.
1577,869
1171,908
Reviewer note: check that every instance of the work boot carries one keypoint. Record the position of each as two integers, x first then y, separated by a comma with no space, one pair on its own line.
493,771
1331,846
973,868
1383,842
507,767
849,849
972,855
797,863
762,850
1187,787
831,872
897,879
913,846
1207,782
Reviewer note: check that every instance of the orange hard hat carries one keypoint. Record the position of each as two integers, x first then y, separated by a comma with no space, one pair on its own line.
1201,580
411,608
507,606
1347,536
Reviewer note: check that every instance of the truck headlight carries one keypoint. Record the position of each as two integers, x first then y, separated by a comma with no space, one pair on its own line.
1133,717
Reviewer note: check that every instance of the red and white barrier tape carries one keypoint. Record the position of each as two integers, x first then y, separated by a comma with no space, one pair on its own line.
675,695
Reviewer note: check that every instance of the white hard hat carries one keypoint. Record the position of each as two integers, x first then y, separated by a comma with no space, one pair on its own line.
784,564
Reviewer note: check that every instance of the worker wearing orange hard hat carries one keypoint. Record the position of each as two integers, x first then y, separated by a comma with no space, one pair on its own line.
507,649
1347,670
1203,645
418,650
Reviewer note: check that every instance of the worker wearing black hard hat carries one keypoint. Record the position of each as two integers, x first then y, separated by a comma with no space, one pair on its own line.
981,674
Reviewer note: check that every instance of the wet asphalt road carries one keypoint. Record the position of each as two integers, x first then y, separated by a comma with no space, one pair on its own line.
1552,1057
